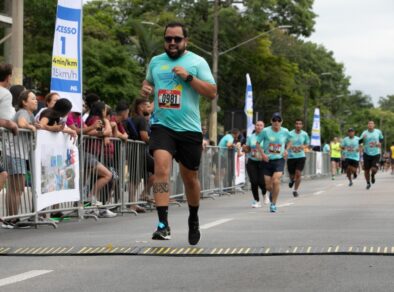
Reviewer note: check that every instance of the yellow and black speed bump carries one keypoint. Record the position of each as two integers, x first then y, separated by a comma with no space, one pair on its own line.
191,251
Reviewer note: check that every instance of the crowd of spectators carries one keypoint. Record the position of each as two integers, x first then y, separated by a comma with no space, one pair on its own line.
19,109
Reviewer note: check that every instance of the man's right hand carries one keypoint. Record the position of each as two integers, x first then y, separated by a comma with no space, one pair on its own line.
146,90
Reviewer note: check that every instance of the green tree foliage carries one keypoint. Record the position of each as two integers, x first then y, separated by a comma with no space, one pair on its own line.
287,72
387,103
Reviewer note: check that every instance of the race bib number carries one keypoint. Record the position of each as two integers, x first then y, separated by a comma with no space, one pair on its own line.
275,148
372,144
296,149
169,99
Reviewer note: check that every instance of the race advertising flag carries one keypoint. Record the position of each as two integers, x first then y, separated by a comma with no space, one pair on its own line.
56,169
249,106
315,141
66,77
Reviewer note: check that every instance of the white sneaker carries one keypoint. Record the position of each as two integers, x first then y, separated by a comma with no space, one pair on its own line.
107,214
266,200
95,202
256,204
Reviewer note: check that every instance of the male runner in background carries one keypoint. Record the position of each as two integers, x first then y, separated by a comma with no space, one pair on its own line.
296,158
372,142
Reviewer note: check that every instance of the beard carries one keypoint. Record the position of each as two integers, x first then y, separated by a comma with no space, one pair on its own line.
175,54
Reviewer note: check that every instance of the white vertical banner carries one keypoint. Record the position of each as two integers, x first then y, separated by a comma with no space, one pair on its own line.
66,74
316,140
56,173
249,106
239,170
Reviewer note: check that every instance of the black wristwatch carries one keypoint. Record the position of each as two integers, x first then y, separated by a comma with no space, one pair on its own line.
189,78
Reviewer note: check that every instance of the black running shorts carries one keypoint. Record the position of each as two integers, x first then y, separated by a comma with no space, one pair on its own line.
185,147
371,161
337,160
351,162
277,165
295,164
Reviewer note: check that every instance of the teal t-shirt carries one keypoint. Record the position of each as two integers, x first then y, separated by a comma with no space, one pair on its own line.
298,142
251,141
351,146
228,138
370,141
274,142
176,102
326,148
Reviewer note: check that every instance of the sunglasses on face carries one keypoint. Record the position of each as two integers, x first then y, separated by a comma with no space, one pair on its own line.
177,39
277,120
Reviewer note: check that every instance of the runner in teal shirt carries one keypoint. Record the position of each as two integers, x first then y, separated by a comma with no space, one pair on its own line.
351,150
372,141
254,166
274,139
274,142
296,159
177,79
177,103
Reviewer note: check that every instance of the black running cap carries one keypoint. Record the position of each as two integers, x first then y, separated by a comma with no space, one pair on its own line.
276,116
350,130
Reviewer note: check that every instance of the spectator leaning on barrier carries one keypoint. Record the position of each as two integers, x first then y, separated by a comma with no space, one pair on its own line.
90,162
104,131
227,146
54,119
17,155
90,99
7,111
50,100
139,113
117,120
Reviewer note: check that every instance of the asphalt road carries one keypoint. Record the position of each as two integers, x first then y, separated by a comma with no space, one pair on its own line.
317,230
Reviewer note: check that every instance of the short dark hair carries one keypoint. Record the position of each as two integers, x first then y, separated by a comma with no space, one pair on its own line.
121,106
16,90
5,71
90,99
62,106
299,120
235,131
136,104
177,24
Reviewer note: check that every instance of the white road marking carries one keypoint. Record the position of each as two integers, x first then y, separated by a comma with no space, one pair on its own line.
215,223
23,277
318,193
285,205
339,185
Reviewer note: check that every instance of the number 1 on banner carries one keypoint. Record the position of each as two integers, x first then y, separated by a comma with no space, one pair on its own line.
63,40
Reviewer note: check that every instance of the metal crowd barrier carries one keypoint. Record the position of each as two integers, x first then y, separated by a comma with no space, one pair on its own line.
16,198
124,182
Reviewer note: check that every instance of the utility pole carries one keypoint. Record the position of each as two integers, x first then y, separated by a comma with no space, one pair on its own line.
14,49
213,124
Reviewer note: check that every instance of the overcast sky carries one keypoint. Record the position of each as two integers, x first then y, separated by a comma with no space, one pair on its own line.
361,35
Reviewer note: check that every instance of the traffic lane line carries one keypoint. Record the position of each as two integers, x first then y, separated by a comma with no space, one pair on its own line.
23,277
216,223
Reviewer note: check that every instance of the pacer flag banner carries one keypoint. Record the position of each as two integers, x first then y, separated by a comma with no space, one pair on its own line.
315,141
66,78
249,106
